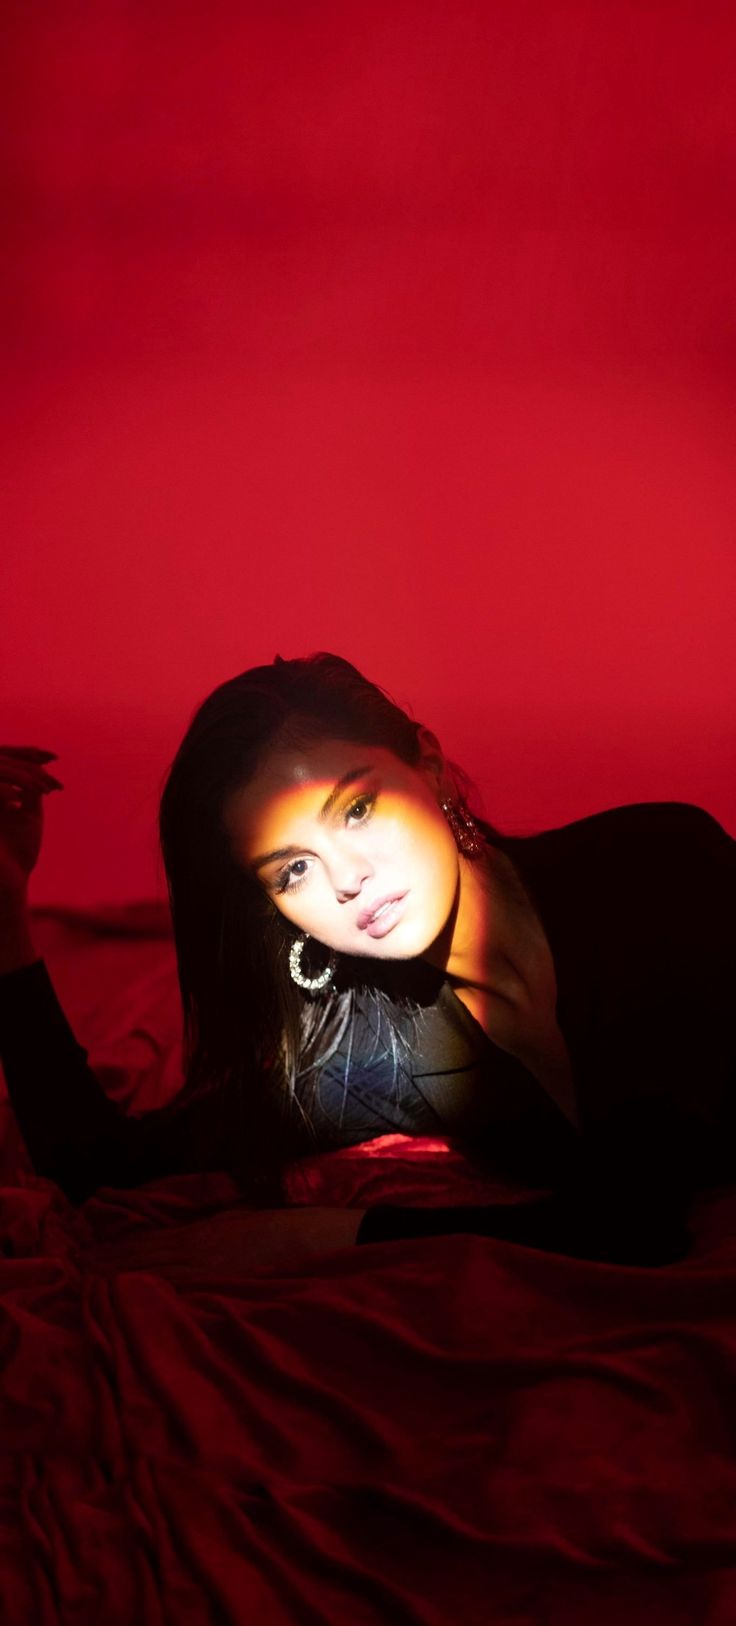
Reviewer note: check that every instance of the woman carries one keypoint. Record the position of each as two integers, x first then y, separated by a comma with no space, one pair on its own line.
359,953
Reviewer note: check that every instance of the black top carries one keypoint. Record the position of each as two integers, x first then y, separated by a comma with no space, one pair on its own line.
639,907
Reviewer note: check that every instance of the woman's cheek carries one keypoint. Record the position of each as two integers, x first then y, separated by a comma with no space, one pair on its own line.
401,837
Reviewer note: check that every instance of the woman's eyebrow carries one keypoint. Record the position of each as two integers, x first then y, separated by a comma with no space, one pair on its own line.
342,784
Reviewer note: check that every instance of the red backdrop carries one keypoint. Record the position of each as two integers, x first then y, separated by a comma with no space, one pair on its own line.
401,330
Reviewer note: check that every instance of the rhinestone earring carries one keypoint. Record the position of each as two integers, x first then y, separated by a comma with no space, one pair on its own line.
468,837
312,984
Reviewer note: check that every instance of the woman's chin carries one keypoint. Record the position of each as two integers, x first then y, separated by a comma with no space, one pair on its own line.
402,945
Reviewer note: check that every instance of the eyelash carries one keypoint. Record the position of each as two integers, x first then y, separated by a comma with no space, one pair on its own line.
282,879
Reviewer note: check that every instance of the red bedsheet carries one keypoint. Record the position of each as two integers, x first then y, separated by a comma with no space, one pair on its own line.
446,1430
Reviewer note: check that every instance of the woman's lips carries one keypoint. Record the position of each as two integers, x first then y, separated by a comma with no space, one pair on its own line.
389,917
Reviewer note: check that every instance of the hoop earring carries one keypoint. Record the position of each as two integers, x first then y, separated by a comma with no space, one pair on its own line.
312,984
468,837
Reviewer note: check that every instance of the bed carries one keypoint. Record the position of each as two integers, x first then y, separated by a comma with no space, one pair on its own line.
452,1429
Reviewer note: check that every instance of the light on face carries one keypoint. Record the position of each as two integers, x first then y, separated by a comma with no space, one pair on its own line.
328,845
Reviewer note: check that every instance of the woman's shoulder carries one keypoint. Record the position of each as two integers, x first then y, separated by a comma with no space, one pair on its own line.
646,828
680,842
659,869
657,818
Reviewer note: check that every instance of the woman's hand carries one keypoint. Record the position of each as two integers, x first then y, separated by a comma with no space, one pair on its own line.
238,1239
24,781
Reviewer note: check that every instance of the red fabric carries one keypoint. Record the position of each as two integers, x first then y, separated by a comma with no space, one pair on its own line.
416,1432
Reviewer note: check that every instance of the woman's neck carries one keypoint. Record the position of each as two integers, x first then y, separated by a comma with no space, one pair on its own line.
488,941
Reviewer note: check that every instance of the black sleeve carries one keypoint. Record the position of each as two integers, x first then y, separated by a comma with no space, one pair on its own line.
661,1120
565,1222
624,1198
623,1201
74,1133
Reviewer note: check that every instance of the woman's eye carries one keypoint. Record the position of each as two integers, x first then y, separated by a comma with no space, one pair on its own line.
361,801
288,880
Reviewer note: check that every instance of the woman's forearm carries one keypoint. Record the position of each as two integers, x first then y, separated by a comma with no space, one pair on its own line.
236,1239
17,948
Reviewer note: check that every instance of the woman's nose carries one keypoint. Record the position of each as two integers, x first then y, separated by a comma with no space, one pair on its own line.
350,881
348,890
348,870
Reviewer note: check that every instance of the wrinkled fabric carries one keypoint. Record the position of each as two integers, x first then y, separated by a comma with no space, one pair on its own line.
422,1431
416,1431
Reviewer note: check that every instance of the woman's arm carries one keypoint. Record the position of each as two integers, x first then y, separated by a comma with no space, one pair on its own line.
75,1134
17,948
578,1223
233,1240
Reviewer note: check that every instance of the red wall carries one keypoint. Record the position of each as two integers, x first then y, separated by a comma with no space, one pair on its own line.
401,330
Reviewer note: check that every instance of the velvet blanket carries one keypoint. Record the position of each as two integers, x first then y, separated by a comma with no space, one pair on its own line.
453,1429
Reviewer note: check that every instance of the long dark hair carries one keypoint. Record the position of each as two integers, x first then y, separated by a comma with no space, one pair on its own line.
246,1023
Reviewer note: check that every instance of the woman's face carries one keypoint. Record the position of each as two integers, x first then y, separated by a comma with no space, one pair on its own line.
334,828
